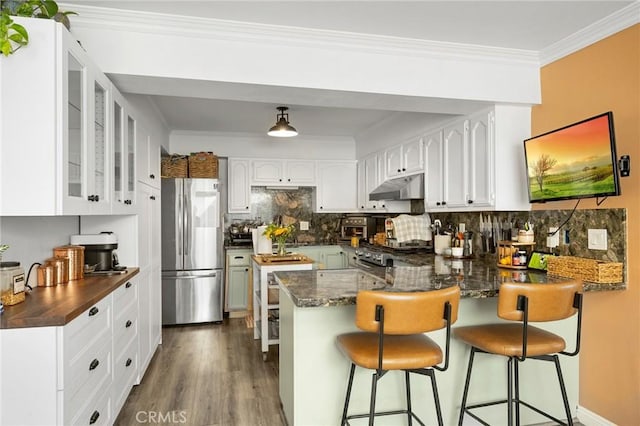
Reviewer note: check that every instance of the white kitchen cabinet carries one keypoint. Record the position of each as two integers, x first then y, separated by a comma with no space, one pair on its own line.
239,186
324,256
370,176
237,281
124,156
405,159
125,343
336,186
147,157
54,150
149,278
275,172
462,172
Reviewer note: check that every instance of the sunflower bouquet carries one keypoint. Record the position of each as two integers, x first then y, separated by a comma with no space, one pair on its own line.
279,234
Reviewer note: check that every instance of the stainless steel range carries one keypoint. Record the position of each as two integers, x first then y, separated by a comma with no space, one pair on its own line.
373,257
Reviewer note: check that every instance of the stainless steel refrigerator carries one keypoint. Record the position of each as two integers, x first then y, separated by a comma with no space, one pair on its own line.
192,240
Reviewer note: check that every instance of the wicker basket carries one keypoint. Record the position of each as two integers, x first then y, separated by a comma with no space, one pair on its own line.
591,270
175,166
203,165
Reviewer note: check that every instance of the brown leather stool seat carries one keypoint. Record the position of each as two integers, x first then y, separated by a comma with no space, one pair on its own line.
519,341
392,339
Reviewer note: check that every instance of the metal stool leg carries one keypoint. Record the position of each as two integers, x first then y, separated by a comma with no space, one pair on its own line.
510,392
565,400
516,382
463,406
408,389
372,408
348,396
436,398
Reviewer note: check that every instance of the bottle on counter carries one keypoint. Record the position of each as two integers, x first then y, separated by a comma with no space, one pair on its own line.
12,283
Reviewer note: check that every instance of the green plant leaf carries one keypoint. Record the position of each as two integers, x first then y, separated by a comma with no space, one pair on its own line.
5,47
20,30
50,8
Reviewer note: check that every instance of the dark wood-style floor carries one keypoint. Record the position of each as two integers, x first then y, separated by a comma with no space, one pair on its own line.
210,374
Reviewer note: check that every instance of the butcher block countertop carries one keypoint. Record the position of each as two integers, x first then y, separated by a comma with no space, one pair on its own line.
273,260
59,305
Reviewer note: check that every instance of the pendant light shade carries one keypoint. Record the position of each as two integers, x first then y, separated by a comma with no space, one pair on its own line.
282,129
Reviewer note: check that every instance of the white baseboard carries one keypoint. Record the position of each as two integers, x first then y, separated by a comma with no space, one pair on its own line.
589,418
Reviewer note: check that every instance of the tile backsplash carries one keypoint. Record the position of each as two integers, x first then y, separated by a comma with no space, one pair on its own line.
294,205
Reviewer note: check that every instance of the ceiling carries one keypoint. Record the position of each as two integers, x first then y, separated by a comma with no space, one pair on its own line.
515,24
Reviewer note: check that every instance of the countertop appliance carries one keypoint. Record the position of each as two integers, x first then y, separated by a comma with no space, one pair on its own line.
192,251
361,227
99,251
374,257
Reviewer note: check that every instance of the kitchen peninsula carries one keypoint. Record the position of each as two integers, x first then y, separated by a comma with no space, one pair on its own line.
317,305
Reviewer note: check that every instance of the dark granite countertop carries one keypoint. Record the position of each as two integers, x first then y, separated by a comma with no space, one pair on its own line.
478,278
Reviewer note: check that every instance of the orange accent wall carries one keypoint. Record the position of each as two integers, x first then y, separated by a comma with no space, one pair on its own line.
601,77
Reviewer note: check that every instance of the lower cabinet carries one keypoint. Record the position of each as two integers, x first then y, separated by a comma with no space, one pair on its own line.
238,263
79,373
325,257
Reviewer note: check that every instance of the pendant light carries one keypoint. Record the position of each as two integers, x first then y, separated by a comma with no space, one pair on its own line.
282,129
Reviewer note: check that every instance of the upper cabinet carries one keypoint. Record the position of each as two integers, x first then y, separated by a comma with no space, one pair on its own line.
54,130
336,187
370,176
147,157
405,159
283,172
239,186
124,156
462,158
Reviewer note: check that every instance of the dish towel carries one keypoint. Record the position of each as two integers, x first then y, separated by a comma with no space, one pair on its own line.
407,227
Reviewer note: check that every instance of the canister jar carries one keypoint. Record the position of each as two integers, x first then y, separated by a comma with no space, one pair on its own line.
75,254
61,269
12,283
46,275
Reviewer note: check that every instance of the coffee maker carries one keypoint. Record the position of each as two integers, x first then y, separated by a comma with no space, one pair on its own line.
99,251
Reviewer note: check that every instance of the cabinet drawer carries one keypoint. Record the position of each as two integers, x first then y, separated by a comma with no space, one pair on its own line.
239,259
92,370
124,375
96,409
125,293
90,327
125,328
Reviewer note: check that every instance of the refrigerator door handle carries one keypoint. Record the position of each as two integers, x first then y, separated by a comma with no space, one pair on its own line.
179,213
187,217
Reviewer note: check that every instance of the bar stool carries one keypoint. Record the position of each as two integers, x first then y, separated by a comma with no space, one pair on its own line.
392,339
524,303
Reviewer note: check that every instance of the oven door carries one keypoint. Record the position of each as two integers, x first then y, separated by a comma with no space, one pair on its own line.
349,231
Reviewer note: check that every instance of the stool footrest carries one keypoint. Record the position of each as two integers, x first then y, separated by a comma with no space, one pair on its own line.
384,413
504,401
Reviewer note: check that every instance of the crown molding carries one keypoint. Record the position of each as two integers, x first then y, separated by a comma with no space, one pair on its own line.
92,17
618,21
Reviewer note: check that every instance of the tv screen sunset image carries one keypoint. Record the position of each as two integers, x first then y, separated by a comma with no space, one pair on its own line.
572,162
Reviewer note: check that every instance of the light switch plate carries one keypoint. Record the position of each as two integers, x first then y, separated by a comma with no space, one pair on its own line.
597,239
304,225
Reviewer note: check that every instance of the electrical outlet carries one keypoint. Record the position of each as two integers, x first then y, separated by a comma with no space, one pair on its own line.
553,241
597,239
304,225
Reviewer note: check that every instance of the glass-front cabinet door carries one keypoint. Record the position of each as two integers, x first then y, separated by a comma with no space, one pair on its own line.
74,134
124,145
131,160
99,154
118,138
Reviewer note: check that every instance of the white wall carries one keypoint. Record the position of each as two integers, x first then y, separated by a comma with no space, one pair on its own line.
32,239
237,145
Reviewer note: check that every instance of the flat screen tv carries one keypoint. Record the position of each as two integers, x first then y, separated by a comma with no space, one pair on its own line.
575,161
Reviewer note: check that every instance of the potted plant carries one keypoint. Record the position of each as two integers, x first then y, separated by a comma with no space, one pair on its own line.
13,35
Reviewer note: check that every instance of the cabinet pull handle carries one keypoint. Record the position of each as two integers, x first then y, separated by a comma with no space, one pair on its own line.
128,363
444,203
93,311
97,198
128,284
91,198
94,364
94,417
128,324
246,269
238,257
153,197
470,201
152,176
127,202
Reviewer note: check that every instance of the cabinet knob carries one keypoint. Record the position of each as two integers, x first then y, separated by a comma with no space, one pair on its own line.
470,201
404,170
246,269
438,203
374,207
279,180
444,203
94,364
362,207
399,170
247,207
320,207
94,417
128,284
93,311
384,205
152,176
128,324
153,197
128,363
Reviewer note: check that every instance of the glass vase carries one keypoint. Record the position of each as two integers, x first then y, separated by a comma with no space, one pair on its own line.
282,248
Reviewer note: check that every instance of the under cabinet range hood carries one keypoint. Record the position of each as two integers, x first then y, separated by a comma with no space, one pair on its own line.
404,188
